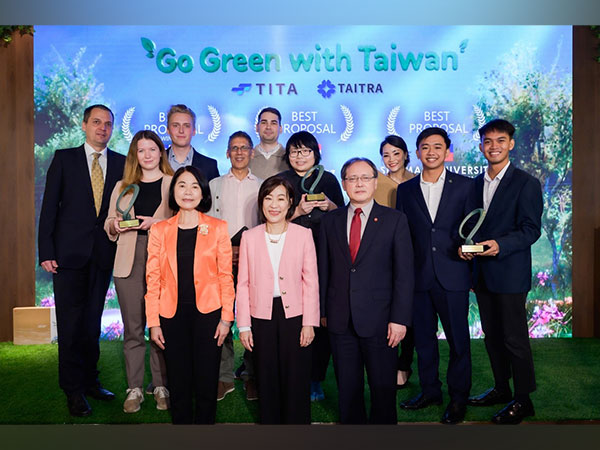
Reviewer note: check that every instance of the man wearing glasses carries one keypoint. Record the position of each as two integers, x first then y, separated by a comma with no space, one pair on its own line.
234,199
366,288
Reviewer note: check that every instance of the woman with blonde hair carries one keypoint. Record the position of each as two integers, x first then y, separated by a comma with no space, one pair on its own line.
146,168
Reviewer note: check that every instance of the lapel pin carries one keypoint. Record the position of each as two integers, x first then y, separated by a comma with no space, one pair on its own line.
375,219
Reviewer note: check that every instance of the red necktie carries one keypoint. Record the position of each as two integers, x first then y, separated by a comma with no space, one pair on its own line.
355,234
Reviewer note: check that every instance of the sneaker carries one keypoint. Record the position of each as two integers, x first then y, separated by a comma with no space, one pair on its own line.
251,391
316,392
134,399
223,389
161,396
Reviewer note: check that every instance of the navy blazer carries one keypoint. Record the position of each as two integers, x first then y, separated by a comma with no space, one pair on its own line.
514,221
378,287
208,166
69,230
436,243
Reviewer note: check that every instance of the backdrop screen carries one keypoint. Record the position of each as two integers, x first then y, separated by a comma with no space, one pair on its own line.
349,86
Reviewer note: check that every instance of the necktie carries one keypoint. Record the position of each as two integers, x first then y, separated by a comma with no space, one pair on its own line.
97,182
355,234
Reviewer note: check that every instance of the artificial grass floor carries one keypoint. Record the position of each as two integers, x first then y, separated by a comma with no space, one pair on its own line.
567,373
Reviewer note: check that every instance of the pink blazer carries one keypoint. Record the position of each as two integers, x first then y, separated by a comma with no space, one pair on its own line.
298,277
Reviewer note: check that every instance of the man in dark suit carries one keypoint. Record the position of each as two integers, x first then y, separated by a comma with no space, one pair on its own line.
75,249
181,125
435,204
502,276
366,288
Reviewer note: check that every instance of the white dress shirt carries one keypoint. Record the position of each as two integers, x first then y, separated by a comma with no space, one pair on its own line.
239,205
89,156
364,217
268,153
490,186
432,193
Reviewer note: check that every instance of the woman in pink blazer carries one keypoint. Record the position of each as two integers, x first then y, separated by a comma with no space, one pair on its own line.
278,305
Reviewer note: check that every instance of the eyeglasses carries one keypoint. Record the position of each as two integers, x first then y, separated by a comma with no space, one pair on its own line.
354,179
301,151
237,149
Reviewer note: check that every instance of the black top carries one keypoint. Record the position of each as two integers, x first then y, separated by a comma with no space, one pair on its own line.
186,246
328,185
148,200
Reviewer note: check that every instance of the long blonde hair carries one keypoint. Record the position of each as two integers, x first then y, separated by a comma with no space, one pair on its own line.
132,174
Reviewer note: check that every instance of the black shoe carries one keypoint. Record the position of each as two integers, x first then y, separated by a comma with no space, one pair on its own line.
238,372
455,413
403,385
513,413
420,401
99,393
78,405
490,397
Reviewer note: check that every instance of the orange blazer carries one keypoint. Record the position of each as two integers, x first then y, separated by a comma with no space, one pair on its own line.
212,269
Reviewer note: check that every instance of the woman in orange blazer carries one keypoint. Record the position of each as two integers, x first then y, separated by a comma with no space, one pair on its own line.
147,167
189,302
278,305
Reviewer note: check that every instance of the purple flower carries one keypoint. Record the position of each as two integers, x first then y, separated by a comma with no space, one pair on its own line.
543,277
47,301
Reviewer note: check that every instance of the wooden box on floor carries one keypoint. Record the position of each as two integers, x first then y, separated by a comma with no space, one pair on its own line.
34,325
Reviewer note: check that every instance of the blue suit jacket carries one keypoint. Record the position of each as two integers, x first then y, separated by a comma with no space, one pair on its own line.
514,220
378,287
208,166
70,232
436,243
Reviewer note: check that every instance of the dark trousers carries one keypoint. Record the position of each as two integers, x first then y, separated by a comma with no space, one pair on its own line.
351,355
407,350
79,298
192,358
282,369
452,308
321,353
504,322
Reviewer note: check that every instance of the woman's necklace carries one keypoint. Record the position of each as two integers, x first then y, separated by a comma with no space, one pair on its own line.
276,241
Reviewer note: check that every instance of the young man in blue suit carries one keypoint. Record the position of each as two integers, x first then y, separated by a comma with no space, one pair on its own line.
74,247
366,287
181,125
502,277
435,203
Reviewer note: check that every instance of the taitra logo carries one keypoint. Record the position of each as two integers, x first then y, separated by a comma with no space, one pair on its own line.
326,89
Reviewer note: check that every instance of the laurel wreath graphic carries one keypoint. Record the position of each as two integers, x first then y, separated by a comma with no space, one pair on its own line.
126,123
216,120
480,121
391,120
349,123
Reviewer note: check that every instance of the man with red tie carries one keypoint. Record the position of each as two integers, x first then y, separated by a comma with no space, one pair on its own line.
366,285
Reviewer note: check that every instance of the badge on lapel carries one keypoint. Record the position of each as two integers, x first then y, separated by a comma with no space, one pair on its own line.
203,228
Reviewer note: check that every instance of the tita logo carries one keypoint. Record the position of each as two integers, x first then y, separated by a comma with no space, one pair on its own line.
326,88
267,88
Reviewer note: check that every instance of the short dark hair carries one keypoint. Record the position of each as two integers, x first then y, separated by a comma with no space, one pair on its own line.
267,187
355,160
88,111
271,110
240,134
398,142
205,203
501,125
432,132
299,139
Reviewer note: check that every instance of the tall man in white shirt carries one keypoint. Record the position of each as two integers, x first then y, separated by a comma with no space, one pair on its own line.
435,203
502,277
234,199
269,155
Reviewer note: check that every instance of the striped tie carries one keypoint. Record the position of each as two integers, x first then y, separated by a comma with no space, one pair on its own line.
97,182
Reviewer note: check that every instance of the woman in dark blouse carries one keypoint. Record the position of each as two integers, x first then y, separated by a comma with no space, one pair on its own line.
302,153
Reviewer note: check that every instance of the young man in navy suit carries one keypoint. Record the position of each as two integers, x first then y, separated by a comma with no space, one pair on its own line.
435,204
181,125
74,247
366,288
513,203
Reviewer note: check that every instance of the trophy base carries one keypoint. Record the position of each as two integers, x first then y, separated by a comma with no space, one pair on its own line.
315,197
129,223
471,248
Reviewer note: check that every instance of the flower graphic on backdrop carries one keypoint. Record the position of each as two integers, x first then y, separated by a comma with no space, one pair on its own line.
543,277
326,88
47,301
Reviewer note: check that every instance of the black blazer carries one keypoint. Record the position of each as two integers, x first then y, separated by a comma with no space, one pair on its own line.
436,244
378,287
514,220
208,166
69,230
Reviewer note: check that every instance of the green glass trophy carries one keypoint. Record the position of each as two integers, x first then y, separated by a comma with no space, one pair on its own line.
469,246
128,221
310,193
